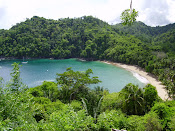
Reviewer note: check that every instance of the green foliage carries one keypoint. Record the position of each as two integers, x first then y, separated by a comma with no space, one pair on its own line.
164,113
152,122
53,106
149,122
15,83
133,103
150,96
160,41
113,119
16,110
67,119
63,38
41,108
1,82
47,89
15,77
111,101
76,105
161,110
128,16
92,101
135,123
74,84
38,112
171,124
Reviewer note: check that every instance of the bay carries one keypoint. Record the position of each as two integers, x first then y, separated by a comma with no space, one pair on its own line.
36,71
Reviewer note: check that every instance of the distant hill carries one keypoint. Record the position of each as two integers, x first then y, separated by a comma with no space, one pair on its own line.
162,36
144,32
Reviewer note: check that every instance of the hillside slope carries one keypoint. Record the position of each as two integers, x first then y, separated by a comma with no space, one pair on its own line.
144,32
85,37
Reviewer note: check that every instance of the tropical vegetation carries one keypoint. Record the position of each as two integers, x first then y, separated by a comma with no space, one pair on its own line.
68,103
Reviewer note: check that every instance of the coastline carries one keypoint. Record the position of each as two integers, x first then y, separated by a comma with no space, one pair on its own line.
145,77
137,72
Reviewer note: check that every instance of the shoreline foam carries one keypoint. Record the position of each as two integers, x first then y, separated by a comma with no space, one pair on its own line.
140,78
144,77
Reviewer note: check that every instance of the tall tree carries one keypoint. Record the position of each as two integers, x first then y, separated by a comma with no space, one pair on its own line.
15,84
74,83
133,100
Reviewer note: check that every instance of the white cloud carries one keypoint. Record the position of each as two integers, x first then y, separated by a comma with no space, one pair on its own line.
171,15
155,12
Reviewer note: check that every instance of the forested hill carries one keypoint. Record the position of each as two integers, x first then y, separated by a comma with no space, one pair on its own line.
64,38
86,37
162,36
39,37
144,32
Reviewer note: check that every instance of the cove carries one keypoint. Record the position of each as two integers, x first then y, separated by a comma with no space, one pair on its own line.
36,71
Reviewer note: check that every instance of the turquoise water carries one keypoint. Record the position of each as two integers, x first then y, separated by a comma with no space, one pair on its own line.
36,71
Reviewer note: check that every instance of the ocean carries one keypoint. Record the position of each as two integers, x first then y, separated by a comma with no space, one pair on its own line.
36,71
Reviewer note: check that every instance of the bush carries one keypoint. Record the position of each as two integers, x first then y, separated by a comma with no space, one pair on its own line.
161,110
16,110
68,119
171,124
47,89
53,106
111,101
150,96
77,105
164,113
152,122
113,119
135,123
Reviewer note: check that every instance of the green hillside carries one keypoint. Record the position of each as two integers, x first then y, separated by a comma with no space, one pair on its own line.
144,32
85,37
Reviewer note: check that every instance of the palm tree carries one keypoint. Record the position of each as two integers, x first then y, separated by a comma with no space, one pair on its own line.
133,100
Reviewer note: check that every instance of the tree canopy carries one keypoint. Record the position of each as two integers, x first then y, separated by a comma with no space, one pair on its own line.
128,16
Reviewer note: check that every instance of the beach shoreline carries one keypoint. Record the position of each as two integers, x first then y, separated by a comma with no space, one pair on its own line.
146,77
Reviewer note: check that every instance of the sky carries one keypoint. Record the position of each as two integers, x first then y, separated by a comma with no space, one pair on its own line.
151,12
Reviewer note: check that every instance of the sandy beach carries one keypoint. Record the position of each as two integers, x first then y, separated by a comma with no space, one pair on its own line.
144,77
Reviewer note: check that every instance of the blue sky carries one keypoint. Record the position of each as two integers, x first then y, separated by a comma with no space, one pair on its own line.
151,12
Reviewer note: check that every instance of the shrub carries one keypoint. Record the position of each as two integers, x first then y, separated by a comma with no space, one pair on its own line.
113,119
77,105
171,124
135,123
68,119
152,122
47,89
111,101
150,96
164,113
